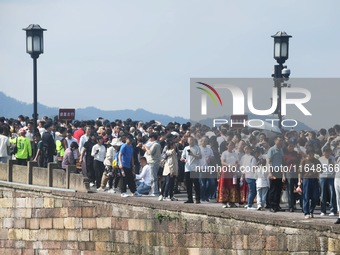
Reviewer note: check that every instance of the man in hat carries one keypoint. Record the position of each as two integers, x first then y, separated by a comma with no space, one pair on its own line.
111,151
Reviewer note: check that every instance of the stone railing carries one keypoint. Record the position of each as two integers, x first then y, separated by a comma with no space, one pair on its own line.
47,177
36,220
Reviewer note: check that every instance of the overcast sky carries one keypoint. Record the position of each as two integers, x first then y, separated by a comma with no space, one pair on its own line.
142,53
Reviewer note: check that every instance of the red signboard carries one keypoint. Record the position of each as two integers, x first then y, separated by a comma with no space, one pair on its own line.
67,114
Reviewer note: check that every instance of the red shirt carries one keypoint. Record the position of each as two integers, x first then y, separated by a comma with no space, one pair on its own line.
78,133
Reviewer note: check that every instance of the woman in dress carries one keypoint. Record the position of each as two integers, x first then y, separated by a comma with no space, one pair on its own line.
228,186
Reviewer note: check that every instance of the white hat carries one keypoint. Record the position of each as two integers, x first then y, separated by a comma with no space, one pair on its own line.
174,133
116,142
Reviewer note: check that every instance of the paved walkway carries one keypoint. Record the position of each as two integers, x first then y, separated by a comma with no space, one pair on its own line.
286,218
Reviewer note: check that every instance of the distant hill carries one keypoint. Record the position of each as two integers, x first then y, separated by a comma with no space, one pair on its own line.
12,108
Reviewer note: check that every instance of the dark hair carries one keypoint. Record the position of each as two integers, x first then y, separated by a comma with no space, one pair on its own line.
143,158
74,145
153,135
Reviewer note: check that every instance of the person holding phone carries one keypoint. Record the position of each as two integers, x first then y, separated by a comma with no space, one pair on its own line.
191,155
98,153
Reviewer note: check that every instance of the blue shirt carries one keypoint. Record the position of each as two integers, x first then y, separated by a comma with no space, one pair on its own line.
127,153
276,156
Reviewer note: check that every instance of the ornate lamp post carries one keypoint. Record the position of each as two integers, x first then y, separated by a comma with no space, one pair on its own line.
34,47
281,49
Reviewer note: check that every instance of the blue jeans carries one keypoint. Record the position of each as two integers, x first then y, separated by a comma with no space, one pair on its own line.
169,184
142,188
3,159
310,194
208,188
252,191
262,196
327,185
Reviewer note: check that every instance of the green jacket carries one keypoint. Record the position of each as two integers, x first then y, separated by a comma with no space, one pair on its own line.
24,147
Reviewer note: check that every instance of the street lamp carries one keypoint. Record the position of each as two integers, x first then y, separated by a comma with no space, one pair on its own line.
281,49
34,47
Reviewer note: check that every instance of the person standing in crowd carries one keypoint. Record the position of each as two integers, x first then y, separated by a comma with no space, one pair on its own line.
262,180
248,165
327,182
79,132
4,146
153,155
144,178
170,170
69,137
228,187
86,154
23,145
61,145
179,183
191,155
274,162
125,158
98,153
291,160
48,145
337,183
84,138
109,157
206,181
310,182
68,158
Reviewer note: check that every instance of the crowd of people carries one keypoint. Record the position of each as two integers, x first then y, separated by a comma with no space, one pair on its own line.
240,167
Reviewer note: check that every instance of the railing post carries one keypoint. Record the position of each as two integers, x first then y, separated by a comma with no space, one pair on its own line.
30,165
10,163
50,167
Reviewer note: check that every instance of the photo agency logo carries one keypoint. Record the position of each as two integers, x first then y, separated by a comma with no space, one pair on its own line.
216,99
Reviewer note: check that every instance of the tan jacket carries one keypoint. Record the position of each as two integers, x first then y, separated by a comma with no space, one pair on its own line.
171,164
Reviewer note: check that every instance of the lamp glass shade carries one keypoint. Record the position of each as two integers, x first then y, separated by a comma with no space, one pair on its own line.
36,44
277,50
284,49
29,44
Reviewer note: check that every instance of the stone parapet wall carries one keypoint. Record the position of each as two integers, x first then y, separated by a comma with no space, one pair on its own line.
45,177
46,221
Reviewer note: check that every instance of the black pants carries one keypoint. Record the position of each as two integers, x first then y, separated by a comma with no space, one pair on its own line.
129,180
291,184
90,170
99,170
22,162
275,193
189,182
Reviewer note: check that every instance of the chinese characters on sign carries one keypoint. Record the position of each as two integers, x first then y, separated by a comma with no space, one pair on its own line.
67,114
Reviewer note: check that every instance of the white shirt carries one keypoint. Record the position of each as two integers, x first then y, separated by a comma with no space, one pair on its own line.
145,175
248,166
229,158
69,141
110,154
207,153
83,139
100,156
191,162
4,143
262,178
